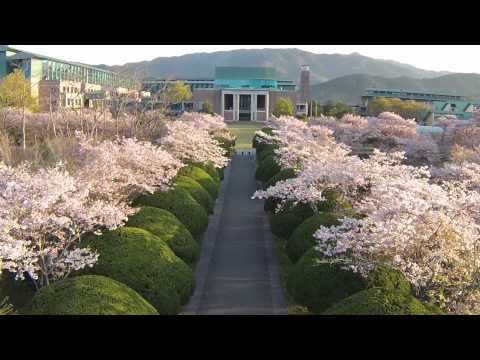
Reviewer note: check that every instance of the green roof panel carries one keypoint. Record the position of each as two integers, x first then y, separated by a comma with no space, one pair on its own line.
242,72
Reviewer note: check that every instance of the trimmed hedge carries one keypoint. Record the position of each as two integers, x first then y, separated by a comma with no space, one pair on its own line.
380,301
203,178
389,279
270,204
181,204
196,190
263,150
167,227
89,295
301,209
267,169
209,169
264,154
19,292
221,173
301,240
282,175
319,285
283,224
144,262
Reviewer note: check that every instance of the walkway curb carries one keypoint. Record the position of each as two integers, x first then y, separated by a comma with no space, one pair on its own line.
208,245
278,295
238,270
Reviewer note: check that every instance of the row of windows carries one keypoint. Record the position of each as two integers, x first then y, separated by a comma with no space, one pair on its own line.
226,86
245,102
53,70
422,95
71,102
70,89
202,86
159,86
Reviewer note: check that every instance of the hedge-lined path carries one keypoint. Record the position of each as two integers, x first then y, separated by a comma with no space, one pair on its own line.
238,271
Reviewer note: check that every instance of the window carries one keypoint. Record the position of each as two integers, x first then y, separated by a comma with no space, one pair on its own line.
228,104
261,102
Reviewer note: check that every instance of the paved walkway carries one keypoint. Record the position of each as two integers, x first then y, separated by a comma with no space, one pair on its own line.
238,271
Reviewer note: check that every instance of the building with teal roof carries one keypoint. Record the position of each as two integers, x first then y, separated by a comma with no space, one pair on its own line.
66,84
438,104
241,93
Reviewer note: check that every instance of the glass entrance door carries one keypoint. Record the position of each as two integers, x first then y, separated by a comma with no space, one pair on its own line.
245,108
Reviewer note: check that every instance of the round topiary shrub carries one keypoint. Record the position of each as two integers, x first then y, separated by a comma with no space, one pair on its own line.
301,210
264,149
319,285
389,279
221,173
209,169
196,190
270,204
267,169
203,178
19,292
167,227
282,175
260,156
89,295
144,262
181,204
284,223
380,301
302,238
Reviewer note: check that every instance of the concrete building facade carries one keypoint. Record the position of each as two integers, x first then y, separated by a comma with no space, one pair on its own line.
60,84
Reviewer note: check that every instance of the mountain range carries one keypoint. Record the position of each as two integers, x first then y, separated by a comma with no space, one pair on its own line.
332,76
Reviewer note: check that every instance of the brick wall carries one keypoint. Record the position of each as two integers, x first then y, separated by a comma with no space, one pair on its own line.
275,95
212,96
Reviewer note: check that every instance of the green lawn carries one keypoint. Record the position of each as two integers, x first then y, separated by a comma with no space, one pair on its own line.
244,132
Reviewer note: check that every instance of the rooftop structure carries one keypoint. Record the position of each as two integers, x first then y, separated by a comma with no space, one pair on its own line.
412,95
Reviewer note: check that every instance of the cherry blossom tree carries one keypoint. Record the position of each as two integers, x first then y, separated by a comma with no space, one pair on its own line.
189,142
44,212
428,232
43,215
134,167
421,220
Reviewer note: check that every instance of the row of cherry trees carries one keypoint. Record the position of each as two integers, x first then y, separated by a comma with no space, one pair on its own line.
44,211
412,211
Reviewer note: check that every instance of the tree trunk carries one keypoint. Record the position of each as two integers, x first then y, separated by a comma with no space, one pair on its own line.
24,130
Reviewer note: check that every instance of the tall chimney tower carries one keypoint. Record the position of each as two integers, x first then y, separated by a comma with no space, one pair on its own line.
304,95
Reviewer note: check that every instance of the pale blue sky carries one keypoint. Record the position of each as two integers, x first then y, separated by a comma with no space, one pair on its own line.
454,58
